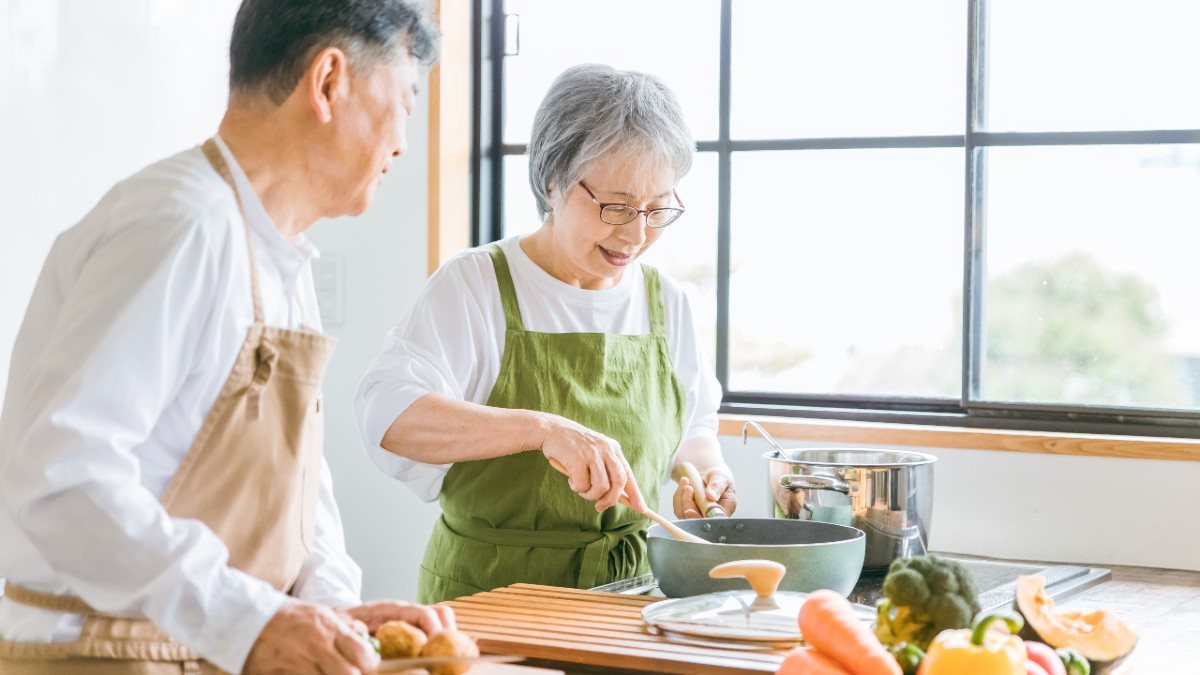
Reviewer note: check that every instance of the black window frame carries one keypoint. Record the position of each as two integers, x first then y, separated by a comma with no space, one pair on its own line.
489,151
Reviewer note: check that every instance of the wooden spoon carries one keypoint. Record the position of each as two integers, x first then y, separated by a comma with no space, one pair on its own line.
667,525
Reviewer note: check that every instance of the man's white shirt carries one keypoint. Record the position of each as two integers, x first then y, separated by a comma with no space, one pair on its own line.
132,330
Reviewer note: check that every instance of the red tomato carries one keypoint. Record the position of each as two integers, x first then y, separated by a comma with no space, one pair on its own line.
1045,659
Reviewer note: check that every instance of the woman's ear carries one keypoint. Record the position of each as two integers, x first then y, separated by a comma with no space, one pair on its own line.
326,82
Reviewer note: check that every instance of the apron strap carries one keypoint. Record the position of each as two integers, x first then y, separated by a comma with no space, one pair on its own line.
47,601
596,545
214,156
508,290
654,300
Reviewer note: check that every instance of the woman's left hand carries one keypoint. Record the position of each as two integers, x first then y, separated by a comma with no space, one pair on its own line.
718,488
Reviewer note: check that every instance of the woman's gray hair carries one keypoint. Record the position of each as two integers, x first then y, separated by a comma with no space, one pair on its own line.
592,110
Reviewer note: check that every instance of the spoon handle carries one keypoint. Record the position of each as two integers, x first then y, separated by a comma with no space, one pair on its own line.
676,531
708,508
667,525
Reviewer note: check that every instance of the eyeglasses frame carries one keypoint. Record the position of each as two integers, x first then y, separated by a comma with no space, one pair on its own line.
640,212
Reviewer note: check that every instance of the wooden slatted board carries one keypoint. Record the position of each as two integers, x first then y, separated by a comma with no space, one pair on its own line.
595,629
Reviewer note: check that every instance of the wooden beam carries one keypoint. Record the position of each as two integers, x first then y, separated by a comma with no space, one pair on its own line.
872,433
450,135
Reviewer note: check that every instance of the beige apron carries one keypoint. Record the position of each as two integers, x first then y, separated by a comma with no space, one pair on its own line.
251,475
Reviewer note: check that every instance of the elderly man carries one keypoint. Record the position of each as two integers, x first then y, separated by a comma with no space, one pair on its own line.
166,505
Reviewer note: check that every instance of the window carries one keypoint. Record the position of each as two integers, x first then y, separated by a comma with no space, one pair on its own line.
976,213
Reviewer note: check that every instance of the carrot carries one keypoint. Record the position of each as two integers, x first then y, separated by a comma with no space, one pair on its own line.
804,661
829,624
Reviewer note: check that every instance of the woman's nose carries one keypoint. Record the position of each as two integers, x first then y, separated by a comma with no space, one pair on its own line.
635,230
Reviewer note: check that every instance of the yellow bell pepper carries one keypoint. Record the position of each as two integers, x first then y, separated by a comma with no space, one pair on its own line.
978,651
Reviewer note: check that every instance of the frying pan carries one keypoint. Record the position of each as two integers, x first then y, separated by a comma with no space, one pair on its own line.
816,554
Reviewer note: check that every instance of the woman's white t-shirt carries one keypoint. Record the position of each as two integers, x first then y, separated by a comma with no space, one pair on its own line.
452,339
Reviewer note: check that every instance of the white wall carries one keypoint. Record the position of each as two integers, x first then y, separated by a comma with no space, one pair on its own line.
90,92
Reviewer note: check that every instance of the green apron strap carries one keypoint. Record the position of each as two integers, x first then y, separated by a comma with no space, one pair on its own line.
508,291
654,300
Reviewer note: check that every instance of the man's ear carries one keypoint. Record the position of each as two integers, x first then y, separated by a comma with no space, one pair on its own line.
326,82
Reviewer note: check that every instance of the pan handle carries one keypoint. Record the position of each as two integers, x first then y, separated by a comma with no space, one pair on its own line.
795,481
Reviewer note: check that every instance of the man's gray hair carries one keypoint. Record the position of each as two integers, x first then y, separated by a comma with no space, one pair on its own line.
274,41
592,110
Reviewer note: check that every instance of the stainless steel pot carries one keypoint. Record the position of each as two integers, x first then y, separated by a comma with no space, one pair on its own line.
888,494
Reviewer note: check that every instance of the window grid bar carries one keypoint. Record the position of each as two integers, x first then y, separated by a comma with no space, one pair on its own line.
974,139
1176,416
477,116
495,225
973,223
948,406
724,193
1033,138
1008,419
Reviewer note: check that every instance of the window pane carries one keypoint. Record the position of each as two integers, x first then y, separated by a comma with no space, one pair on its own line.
520,210
1091,285
1080,65
687,250
867,68
677,40
847,270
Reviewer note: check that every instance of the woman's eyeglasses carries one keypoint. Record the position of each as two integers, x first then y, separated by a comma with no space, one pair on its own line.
620,214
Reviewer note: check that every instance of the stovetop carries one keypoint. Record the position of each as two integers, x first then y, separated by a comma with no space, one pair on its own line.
995,579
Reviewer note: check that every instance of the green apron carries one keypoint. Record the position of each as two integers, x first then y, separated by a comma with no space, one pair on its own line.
513,519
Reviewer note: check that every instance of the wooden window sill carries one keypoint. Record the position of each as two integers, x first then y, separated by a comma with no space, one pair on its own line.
874,433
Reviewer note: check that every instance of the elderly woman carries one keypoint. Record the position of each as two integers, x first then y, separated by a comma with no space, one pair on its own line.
556,348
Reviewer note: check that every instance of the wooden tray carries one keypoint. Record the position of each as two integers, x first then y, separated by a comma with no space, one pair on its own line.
565,625
494,669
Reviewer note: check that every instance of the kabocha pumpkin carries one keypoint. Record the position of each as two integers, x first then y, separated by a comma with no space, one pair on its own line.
1098,634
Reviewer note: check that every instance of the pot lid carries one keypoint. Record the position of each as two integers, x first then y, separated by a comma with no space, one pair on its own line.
763,616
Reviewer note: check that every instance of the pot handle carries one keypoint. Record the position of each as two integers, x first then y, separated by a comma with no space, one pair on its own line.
795,481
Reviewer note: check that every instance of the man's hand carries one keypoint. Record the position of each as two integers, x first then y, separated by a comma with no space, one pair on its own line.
431,619
304,638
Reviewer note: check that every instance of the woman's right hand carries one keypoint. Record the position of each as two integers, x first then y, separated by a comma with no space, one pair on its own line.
596,468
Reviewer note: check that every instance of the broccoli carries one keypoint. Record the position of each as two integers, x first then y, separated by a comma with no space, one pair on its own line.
925,595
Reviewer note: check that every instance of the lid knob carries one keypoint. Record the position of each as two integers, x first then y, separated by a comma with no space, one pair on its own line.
764,575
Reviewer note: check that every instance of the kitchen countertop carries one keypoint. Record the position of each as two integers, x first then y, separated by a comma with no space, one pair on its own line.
1162,606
